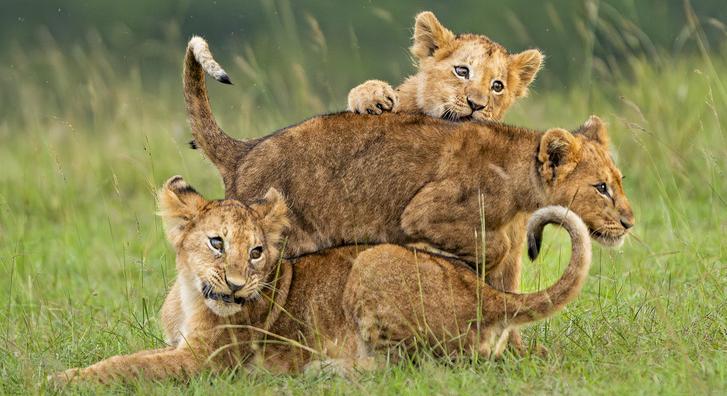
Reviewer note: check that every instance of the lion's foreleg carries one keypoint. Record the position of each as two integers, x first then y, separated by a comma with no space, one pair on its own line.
154,364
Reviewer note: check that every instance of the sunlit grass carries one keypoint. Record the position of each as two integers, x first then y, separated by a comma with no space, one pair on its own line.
85,265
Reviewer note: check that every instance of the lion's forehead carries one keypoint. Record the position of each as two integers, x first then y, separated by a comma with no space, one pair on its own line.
602,164
237,226
481,57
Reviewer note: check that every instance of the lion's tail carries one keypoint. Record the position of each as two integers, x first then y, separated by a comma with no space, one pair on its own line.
223,150
520,309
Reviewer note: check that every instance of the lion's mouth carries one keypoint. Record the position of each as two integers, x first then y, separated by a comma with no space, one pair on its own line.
454,116
608,239
210,294
451,115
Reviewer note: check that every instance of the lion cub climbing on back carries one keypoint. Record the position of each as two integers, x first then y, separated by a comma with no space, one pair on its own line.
459,78
336,308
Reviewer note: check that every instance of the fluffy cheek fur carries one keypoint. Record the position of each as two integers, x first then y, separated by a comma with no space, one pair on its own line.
206,272
436,99
496,106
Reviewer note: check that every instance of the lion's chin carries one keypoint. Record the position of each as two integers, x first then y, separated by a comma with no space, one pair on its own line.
610,241
221,308
222,304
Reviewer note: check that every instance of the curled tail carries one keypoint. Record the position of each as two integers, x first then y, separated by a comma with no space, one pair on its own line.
223,150
520,309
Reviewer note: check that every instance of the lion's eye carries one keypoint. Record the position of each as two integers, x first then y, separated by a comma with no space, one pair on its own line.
498,86
462,71
216,244
256,253
602,188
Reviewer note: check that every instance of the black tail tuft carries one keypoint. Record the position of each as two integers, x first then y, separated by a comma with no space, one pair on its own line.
535,239
225,79
193,144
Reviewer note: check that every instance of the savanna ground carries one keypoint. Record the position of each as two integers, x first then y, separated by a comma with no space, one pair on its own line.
85,266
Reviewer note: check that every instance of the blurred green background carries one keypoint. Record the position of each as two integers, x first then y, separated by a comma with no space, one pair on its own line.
92,121
339,44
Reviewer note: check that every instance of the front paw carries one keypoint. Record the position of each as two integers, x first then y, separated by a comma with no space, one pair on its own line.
373,97
62,378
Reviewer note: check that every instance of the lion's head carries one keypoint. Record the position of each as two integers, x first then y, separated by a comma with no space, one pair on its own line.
579,173
467,76
227,249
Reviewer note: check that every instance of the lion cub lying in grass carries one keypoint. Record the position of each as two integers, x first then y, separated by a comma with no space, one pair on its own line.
235,301
459,77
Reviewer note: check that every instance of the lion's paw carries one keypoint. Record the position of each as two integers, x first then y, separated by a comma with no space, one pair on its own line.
373,97
62,378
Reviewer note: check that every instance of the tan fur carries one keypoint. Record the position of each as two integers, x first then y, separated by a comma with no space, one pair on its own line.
407,178
435,89
198,60
334,309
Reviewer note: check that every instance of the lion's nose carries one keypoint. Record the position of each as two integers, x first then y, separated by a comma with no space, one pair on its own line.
626,223
233,286
474,106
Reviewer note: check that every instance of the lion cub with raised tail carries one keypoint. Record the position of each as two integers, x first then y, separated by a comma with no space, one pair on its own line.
236,302
412,179
459,77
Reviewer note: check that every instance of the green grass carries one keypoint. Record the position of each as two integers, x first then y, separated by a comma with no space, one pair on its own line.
85,266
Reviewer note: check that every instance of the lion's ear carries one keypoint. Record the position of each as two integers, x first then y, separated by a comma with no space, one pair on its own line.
273,212
595,129
178,204
524,67
559,154
429,35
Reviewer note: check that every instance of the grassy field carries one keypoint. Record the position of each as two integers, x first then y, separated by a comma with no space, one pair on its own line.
85,266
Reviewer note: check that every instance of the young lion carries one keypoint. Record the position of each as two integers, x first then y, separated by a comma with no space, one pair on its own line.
408,178
235,298
459,77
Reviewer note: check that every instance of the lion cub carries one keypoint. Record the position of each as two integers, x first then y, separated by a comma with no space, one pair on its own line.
413,179
235,301
226,260
459,77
